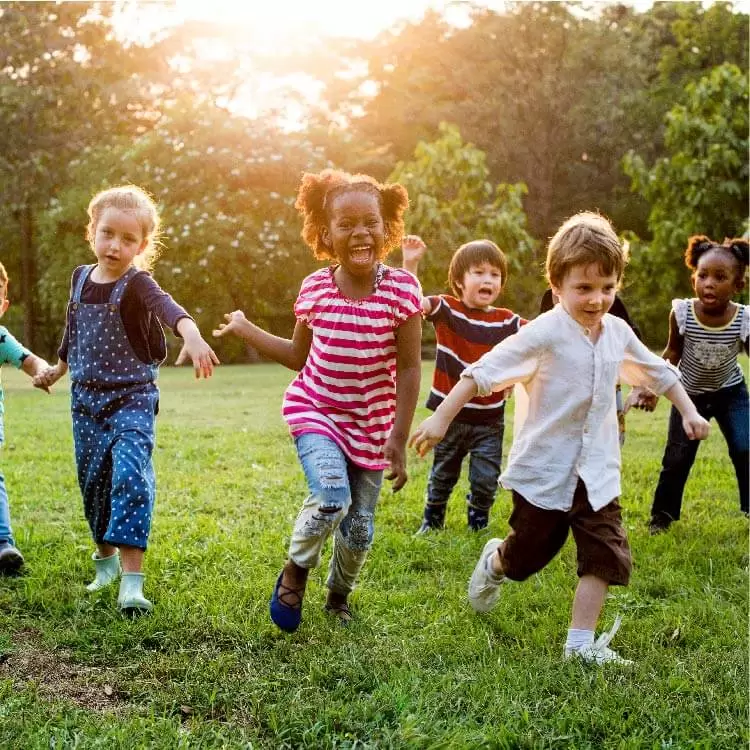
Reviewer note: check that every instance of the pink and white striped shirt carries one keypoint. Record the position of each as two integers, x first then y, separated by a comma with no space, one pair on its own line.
347,388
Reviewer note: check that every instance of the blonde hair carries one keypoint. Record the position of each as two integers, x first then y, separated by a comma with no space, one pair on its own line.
585,238
3,280
134,200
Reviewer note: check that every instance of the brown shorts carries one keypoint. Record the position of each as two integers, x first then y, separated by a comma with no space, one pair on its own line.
537,535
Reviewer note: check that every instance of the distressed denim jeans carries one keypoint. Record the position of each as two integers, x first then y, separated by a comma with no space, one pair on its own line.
341,502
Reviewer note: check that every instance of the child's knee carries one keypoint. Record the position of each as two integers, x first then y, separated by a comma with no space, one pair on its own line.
357,530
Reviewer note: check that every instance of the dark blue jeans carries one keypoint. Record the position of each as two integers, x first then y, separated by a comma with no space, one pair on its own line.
484,445
729,406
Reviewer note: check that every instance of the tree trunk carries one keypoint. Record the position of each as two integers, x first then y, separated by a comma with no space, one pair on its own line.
28,278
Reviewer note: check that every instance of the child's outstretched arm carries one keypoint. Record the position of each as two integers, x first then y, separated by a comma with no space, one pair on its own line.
433,429
696,428
33,366
49,375
412,251
408,373
195,347
291,353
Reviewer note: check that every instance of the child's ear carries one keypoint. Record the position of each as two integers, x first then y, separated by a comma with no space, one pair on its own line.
142,247
325,237
4,306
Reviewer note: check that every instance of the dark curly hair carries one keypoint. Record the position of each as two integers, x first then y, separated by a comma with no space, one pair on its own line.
316,192
737,248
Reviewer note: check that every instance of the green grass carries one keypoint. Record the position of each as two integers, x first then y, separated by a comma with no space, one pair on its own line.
417,668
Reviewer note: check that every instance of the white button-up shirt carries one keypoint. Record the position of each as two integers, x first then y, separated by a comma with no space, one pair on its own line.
571,427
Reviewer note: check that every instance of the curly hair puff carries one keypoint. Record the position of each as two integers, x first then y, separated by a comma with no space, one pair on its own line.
700,244
316,191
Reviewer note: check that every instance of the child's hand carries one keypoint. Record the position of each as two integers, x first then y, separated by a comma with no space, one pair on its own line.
640,398
396,456
47,376
201,355
428,435
696,428
236,321
412,250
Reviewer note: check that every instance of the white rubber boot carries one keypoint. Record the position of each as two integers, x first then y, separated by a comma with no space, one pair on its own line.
107,570
131,599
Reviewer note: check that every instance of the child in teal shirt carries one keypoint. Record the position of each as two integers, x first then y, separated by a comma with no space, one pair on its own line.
13,353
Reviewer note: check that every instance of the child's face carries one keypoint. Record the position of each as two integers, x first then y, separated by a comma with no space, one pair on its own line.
356,233
716,280
586,294
118,238
481,285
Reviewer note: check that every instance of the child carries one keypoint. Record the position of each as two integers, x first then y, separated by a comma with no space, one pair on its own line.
705,335
11,352
114,344
640,398
466,327
356,346
564,467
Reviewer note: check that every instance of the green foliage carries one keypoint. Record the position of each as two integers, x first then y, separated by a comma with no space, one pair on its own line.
452,202
416,669
700,187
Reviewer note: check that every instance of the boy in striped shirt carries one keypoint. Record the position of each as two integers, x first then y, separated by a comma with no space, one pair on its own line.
466,327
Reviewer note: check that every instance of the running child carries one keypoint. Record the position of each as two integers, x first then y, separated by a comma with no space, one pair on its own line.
706,334
466,326
113,344
564,467
356,345
11,353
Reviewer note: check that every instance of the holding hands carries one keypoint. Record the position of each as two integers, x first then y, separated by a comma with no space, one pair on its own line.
48,375
640,398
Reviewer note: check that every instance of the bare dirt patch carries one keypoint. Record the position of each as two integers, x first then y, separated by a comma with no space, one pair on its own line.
57,677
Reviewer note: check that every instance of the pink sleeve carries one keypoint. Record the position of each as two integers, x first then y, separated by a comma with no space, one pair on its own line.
408,292
304,307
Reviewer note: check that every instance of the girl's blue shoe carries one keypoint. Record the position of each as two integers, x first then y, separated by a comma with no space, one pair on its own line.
286,616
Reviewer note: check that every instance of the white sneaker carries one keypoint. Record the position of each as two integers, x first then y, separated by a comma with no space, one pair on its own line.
597,652
484,586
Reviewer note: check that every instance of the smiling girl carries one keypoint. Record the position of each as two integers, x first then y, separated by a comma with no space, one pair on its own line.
113,344
356,347
706,334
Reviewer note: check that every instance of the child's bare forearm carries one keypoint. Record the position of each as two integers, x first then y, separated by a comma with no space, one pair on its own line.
34,365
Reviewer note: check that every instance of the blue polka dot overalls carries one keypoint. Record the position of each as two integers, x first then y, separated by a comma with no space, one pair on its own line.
114,400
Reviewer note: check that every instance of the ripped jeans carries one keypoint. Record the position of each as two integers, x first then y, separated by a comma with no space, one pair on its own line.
341,502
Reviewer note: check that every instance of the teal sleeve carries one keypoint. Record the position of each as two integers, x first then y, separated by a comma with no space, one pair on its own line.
11,351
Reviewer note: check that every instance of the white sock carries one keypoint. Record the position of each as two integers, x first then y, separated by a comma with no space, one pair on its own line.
579,639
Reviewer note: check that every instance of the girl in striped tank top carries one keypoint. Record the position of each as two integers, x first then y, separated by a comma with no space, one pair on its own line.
705,336
356,347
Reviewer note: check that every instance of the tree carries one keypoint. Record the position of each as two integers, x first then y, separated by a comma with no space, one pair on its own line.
699,187
453,202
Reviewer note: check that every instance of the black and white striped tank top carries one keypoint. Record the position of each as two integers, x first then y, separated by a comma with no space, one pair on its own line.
709,355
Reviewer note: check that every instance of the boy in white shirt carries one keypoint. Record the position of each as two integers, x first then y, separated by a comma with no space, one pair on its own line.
564,466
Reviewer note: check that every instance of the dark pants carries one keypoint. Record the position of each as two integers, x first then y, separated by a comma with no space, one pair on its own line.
729,406
484,445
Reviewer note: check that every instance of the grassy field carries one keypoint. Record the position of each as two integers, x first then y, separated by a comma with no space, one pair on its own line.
417,669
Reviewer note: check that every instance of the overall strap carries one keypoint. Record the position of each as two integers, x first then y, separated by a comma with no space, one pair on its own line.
117,293
85,273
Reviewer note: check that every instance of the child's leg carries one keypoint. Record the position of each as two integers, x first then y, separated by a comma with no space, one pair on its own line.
486,453
448,456
11,560
325,468
679,456
732,415
353,538
603,559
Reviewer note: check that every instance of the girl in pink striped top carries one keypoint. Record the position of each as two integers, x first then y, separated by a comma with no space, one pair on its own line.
356,347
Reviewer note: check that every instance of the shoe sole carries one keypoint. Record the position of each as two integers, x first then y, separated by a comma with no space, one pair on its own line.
10,563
